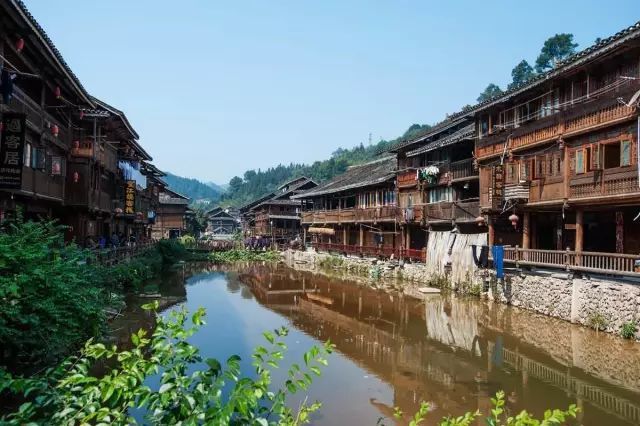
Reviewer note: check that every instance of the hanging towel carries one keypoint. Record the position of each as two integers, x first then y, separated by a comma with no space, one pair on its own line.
498,260
481,261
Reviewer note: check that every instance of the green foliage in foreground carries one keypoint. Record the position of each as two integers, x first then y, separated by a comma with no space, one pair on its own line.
212,394
629,329
243,255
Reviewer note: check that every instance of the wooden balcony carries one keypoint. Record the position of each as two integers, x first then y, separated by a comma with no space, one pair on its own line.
41,184
551,128
460,170
354,215
616,181
407,179
591,262
458,211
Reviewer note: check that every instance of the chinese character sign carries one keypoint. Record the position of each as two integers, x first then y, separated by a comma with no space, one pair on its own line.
11,150
130,197
498,187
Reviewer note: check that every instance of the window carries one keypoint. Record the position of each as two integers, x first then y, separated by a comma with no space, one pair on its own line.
525,170
625,153
27,155
580,163
441,194
512,172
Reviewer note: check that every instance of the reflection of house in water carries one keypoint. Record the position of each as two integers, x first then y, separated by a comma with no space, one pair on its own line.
439,350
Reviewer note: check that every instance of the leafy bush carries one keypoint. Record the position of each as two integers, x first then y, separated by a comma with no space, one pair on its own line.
172,251
243,255
48,299
629,329
188,241
69,394
597,321
331,262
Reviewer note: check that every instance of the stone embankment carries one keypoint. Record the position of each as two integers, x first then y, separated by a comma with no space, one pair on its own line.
601,303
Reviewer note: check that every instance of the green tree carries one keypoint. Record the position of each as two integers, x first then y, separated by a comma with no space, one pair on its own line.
521,73
555,49
491,91
235,183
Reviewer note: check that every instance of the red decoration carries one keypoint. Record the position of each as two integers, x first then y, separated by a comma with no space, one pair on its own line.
514,219
76,177
81,114
57,92
55,130
20,44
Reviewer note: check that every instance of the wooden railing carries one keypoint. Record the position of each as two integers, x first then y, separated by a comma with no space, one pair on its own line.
495,144
352,215
375,251
594,262
115,255
461,211
462,169
407,179
621,180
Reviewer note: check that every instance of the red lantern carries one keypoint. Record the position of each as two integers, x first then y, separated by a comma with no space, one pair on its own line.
76,177
20,44
514,220
55,130
81,114
57,92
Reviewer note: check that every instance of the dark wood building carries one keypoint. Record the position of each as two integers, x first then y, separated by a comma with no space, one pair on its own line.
170,221
558,160
222,222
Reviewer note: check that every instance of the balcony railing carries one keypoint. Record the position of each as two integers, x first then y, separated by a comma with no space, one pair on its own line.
374,251
407,179
557,126
352,215
460,211
462,169
36,116
594,262
620,180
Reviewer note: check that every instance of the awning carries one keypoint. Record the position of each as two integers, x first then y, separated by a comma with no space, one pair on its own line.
324,231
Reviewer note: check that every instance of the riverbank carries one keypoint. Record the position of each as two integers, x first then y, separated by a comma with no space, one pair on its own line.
601,303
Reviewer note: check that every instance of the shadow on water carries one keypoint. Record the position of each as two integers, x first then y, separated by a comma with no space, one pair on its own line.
394,350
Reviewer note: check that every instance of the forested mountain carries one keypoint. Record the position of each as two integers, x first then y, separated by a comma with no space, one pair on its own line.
255,183
192,188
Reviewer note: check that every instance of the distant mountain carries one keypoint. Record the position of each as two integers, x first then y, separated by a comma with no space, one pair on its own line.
220,188
193,188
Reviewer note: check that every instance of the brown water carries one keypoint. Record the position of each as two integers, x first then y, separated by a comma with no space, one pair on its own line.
395,351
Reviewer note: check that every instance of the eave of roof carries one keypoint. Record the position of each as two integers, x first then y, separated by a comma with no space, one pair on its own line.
590,53
462,134
52,49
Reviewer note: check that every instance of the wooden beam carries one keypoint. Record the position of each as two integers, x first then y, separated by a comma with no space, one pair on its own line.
579,230
526,225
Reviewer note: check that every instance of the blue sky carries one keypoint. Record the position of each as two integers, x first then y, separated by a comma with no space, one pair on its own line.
215,88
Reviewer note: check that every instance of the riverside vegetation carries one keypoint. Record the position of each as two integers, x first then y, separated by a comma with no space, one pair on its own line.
53,298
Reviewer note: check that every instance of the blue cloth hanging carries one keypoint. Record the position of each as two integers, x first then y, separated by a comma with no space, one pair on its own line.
498,260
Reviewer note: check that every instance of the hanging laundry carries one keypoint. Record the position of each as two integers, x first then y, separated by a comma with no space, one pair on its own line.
498,260
481,260
6,85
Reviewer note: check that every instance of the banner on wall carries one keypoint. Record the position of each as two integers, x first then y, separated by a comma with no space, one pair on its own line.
498,187
130,197
12,150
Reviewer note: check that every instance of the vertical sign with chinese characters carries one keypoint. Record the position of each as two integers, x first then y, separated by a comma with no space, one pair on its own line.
11,150
130,197
498,187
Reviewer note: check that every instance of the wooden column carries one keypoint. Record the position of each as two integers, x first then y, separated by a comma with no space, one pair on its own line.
526,230
492,232
304,236
361,236
344,235
619,232
579,230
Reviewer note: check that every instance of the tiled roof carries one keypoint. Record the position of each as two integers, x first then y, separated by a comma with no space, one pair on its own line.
368,174
466,132
440,127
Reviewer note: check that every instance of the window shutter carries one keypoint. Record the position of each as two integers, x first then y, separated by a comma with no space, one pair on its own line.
525,170
625,153
596,157
579,163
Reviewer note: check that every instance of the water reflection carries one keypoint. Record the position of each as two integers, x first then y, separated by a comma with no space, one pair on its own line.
452,353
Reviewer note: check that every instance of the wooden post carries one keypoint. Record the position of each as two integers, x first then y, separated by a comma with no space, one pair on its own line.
619,232
492,232
344,235
579,235
304,236
361,236
526,228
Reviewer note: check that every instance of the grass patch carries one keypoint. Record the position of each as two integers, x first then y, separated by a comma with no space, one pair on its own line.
243,255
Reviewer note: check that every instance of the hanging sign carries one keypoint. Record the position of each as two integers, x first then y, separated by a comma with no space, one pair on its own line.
130,197
11,150
498,187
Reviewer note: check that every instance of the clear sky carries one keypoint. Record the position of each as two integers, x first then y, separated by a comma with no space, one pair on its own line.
218,87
